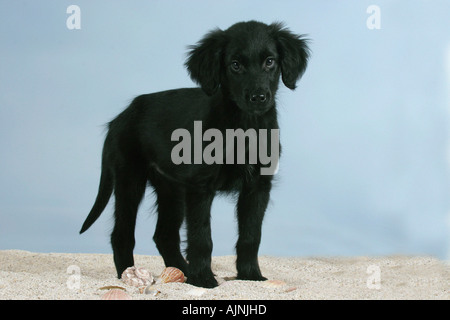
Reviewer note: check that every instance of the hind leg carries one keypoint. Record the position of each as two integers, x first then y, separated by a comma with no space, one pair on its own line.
129,189
171,211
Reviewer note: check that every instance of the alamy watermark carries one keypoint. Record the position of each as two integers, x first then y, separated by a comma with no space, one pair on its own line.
374,20
213,153
73,22
74,280
374,278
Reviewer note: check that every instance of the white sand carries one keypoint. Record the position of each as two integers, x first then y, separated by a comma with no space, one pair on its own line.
28,275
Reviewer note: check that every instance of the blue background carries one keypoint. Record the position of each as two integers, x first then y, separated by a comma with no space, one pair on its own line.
365,165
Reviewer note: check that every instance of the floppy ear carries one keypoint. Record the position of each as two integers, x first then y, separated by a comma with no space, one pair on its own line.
294,53
204,62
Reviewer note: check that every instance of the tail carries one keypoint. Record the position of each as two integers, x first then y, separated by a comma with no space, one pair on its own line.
104,193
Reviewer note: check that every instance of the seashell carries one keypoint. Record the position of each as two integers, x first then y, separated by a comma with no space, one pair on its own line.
290,289
152,290
137,277
112,287
116,294
274,283
198,292
142,273
172,274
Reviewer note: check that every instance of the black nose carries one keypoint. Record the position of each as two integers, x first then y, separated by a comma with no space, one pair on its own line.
255,98
259,97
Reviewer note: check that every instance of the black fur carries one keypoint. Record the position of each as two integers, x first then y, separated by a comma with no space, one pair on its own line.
238,71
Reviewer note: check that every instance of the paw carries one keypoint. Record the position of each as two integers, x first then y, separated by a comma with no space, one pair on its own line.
202,280
250,272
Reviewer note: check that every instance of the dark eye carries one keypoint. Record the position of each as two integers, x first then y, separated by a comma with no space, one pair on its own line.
235,65
270,62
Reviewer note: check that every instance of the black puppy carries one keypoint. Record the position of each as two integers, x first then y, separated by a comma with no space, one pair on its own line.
238,70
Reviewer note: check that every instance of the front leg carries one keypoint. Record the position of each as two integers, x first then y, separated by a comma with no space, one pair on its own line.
251,207
199,242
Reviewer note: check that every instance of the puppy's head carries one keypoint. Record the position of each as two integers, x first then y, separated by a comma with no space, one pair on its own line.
246,61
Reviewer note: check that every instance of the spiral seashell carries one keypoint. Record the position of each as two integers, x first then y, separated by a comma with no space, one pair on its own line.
116,294
172,274
142,273
137,277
